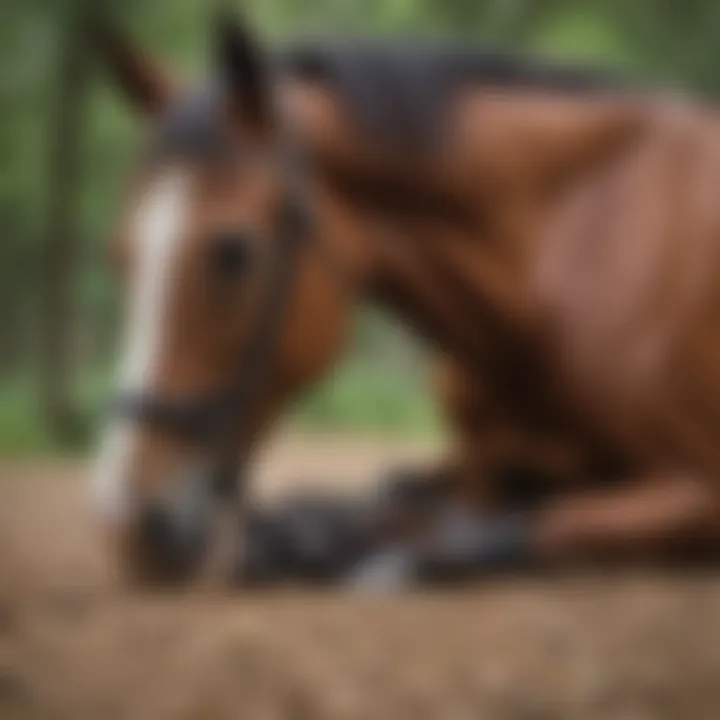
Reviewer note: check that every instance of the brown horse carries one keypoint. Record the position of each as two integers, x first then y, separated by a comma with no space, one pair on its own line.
554,235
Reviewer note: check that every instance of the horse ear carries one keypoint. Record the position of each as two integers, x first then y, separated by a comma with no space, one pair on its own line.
142,83
244,72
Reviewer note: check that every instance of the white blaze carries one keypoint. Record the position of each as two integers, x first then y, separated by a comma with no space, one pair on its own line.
156,236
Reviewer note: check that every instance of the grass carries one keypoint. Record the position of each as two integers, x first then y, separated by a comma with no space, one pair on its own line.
22,430
363,396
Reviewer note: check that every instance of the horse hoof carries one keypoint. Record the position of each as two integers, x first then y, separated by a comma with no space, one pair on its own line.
262,558
408,491
385,572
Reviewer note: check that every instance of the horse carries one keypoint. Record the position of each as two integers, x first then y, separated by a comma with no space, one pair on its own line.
551,231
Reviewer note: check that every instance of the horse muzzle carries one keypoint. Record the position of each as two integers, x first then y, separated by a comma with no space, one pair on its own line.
163,541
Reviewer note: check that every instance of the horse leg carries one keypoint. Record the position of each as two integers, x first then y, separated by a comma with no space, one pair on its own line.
460,497
407,500
656,517
461,474
659,517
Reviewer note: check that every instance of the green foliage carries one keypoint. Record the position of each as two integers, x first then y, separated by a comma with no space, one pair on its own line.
22,430
365,396
582,36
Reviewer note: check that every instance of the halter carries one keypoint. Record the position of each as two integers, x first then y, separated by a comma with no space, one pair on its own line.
215,420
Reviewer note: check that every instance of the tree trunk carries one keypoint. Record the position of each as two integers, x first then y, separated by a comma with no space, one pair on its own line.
61,243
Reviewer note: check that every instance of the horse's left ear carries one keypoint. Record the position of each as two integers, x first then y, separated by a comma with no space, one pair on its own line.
244,71
142,82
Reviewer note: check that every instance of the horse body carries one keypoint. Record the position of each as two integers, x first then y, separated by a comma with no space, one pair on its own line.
573,298
554,240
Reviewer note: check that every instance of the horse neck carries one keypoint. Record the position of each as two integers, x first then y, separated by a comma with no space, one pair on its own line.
448,251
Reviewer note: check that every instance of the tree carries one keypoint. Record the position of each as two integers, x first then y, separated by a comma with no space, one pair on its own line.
62,231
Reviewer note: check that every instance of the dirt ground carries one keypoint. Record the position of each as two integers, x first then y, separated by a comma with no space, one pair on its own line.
75,644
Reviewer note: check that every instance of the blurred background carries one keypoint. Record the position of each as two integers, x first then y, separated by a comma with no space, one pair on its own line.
639,647
66,142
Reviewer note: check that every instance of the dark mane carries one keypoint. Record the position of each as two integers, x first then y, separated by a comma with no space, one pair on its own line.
399,92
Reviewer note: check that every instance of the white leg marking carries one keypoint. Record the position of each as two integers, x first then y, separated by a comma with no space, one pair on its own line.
157,235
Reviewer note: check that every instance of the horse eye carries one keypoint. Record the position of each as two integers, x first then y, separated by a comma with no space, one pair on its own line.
230,254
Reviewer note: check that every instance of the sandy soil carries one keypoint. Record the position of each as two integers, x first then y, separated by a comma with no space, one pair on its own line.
74,644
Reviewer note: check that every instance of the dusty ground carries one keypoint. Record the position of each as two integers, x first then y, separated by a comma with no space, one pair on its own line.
75,645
